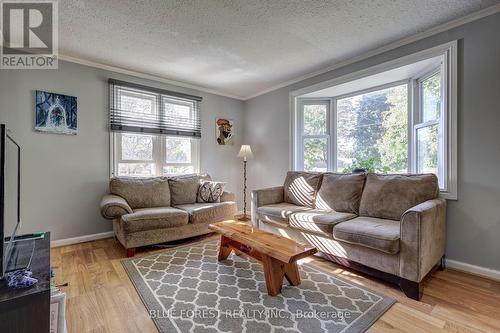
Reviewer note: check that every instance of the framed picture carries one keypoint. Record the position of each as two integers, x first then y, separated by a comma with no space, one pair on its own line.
55,113
224,131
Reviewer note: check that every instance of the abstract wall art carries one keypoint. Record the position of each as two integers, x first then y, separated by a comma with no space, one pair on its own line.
55,113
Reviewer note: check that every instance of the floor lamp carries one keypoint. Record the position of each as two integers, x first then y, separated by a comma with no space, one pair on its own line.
245,153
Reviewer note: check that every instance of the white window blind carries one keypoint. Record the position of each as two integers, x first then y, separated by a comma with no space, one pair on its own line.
141,109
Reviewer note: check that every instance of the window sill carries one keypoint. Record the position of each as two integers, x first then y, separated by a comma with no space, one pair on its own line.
448,196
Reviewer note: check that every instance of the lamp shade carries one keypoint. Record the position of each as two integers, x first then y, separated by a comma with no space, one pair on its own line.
245,152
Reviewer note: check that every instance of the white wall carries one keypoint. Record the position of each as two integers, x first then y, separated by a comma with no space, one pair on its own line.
473,220
64,177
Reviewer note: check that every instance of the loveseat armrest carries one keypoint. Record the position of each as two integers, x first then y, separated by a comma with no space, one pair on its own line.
265,196
114,206
227,196
423,238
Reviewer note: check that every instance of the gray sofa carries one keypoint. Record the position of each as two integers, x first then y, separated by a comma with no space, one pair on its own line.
390,226
148,211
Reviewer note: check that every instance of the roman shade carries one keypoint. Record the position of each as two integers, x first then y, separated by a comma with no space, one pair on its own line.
141,109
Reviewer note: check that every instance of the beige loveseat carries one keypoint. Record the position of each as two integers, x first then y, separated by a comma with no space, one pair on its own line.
391,226
149,211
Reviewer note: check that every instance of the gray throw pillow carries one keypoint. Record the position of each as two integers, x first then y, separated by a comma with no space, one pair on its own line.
210,191
341,192
300,188
142,192
389,196
184,189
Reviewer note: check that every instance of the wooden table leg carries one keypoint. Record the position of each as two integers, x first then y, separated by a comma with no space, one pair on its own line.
224,249
274,273
237,252
292,274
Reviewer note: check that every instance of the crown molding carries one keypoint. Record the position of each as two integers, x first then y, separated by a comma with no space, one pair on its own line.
146,76
391,46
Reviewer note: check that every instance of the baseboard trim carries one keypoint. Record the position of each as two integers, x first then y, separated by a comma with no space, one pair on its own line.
81,239
473,269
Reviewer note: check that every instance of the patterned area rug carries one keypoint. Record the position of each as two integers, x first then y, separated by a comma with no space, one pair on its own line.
186,289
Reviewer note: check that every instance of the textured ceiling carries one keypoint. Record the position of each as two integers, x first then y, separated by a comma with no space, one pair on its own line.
242,47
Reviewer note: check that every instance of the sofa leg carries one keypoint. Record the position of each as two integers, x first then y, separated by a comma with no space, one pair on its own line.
131,252
411,289
442,263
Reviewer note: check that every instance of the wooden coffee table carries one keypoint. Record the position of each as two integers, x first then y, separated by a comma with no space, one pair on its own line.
277,254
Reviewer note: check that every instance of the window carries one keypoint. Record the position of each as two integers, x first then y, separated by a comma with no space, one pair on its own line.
428,128
372,130
315,137
398,120
153,132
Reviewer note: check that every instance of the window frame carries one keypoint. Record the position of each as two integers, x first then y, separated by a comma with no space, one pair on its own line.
316,101
419,124
195,154
119,148
159,154
367,91
448,53
133,94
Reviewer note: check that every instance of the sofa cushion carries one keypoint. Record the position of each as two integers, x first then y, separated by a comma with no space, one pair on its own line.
154,218
300,188
375,233
341,192
184,189
319,221
278,212
209,212
389,196
142,192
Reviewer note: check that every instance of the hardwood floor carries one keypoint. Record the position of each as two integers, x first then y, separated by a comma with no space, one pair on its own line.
101,298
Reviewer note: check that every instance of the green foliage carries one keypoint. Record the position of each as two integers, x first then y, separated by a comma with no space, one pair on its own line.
366,133
314,119
315,149
371,164
372,132
428,137
428,149
393,144
315,154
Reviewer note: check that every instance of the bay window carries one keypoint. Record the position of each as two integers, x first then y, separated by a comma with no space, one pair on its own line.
401,120
153,132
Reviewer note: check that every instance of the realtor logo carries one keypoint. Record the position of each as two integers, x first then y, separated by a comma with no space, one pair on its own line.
29,35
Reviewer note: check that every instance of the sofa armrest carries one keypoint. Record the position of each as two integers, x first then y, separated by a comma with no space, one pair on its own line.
227,196
423,238
268,196
114,206
265,196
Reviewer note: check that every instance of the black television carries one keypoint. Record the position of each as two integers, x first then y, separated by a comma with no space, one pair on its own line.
10,195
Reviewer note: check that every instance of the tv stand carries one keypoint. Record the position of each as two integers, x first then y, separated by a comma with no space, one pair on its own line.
28,310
